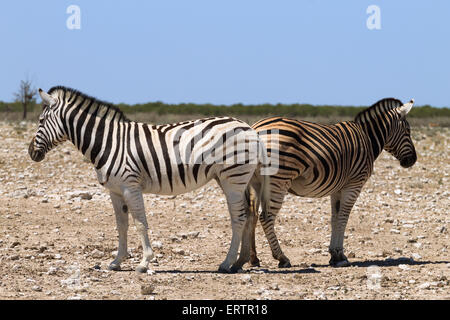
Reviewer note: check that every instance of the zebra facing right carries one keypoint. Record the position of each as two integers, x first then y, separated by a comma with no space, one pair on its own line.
318,160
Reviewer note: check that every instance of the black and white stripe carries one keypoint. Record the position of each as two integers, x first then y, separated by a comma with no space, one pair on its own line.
132,158
318,160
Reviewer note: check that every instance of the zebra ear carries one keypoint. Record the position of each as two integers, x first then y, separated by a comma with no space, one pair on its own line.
404,109
46,98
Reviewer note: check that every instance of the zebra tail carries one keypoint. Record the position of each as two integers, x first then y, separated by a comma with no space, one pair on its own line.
265,187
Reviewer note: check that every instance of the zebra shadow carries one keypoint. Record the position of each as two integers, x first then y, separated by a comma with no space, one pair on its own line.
386,263
292,270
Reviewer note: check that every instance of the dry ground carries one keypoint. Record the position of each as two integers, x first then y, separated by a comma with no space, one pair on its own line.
56,244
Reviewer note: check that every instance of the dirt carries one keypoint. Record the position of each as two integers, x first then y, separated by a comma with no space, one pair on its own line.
58,234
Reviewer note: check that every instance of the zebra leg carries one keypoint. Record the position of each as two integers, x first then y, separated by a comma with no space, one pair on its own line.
254,261
341,205
254,203
267,220
121,212
135,201
248,251
244,255
237,208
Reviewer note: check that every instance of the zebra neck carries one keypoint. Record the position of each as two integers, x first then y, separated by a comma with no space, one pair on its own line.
96,134
377,130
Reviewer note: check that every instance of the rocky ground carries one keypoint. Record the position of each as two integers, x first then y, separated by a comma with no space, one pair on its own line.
57,235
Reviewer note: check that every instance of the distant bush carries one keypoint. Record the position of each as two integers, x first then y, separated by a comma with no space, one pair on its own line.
236,110
17,106
290,110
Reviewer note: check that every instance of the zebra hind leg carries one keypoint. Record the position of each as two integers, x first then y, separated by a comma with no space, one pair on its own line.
237,208
244,255
267,222
253,200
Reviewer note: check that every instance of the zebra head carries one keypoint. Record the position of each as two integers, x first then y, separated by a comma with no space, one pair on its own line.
50,132
399,143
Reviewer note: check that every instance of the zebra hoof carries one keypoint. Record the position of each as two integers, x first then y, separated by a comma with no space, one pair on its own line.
255,263
339,264
141,269
223,270
114,267
284,263
235,269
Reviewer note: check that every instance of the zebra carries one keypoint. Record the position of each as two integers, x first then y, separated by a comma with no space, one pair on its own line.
132,158
317,160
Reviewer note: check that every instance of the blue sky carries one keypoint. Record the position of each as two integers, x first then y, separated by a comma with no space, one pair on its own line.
224,52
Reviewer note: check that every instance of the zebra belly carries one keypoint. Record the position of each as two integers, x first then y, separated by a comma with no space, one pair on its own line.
302,187
175,189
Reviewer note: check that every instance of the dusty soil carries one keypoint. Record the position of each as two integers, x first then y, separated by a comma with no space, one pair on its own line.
57,235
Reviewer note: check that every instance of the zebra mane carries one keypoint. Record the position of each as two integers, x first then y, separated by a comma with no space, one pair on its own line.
105,104
384,105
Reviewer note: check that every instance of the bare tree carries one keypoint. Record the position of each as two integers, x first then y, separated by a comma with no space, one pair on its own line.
25,95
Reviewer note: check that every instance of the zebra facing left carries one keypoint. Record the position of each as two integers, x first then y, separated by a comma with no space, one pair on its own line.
132,158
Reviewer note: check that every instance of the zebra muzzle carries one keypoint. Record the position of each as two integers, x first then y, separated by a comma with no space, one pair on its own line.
35,155
408,161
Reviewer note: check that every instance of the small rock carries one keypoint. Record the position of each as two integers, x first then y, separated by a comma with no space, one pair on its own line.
403,266
416,256
97,254
157,245
147,289
275,286
193,234
425,285
174,239
178,251
36,288
245,279
14,244
52,270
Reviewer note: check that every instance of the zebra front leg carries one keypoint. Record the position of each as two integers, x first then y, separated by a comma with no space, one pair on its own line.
135,201
341,205
121,212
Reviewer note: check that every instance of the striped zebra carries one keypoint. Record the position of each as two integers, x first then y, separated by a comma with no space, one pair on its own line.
132,158
318,160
